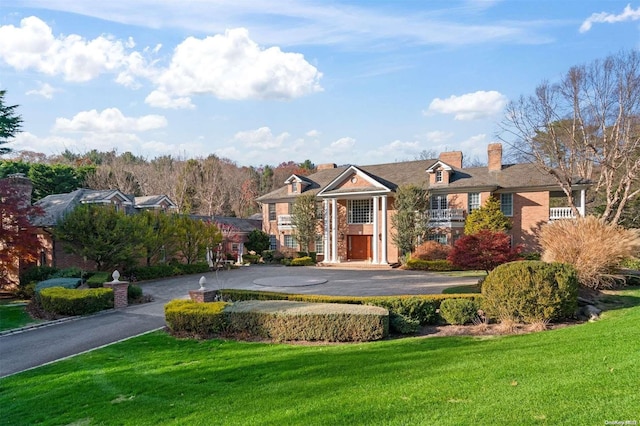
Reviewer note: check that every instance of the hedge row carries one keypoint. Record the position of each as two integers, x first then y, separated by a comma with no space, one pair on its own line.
142,273
63,301
430,265
421,308
278,320
200,320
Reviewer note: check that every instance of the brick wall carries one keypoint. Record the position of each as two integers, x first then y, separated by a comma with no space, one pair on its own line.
530,211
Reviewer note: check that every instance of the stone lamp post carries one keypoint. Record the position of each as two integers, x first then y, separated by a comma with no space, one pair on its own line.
202,294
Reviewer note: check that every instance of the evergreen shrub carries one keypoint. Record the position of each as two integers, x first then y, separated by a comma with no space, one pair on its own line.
459,311
201,320
530,291
430,265
64,301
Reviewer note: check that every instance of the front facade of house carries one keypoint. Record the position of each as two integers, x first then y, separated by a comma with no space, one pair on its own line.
356,204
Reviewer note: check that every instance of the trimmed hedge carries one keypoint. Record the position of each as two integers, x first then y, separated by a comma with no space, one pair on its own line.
459,311
98,279
288,320
302,261
143,273
420,308
430,265
531,291
251,258
64,301
201,320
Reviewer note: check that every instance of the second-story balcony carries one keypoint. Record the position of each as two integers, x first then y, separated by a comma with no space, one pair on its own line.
557,213
285,222
446,215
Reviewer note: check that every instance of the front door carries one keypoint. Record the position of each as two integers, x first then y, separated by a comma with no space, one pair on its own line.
359,247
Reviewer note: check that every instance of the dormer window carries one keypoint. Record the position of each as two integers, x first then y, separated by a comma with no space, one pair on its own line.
439,177
294,186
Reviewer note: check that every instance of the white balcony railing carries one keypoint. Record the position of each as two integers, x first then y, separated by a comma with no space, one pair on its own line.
557,213
284,221
446,215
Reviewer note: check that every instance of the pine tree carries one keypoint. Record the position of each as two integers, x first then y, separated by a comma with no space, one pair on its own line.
488,217
10,123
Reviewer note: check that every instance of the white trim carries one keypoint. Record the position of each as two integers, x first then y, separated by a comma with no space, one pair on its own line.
383,259
326,230
441,164
334,230
375,230
348,172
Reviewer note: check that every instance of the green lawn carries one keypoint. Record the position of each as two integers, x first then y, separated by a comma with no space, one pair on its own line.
13,315
580,375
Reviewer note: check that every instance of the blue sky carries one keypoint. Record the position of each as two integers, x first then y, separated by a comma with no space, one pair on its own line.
349,82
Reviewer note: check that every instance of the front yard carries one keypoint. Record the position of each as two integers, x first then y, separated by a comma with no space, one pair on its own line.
584,374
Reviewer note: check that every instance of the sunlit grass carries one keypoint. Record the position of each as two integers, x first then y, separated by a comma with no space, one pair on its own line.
13,315
583,374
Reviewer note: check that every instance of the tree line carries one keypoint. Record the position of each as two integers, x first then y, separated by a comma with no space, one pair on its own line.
202,186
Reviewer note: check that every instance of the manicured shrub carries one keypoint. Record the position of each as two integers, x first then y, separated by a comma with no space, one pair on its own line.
72,272
594,248
37,273
25,291
421,308
483,250
430,265
267,255
289,320
530,291
458,311
64,301
98,279
302,261
402,324
431,250
134,293
188,318
251,258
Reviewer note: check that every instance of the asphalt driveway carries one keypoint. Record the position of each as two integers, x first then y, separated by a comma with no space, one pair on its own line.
45,344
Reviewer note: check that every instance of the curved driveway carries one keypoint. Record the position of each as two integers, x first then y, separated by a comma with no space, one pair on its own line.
37,346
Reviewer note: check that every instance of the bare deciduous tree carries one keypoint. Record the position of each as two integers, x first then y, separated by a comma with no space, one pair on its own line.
585,126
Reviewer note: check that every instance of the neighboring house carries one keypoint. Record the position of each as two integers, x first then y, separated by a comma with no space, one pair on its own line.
356,203
234,232
57,205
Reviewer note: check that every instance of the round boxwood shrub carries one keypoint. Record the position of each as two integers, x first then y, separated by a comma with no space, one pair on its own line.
458,311
531,291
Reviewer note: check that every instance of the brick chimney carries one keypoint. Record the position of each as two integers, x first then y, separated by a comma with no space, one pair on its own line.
23,185
494,152
325,166
452,158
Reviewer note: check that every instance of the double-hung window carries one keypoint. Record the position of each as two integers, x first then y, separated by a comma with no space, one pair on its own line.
474,201
290,241
360,211
506,204
439,175
439,202
272,211
319,244
273,242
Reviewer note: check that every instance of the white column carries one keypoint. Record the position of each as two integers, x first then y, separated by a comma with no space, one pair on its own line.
326,235
583,201
374,240
383,258
334,230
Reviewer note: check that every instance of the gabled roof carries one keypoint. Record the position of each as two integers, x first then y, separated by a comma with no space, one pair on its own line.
57,205
152,201
297,178
375,185
438,164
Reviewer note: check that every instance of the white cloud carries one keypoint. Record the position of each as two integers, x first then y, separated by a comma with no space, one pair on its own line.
438,136
313,133
45,90
628,14
162,100
260,138
33,46
341,145
232,66
110,120
471,106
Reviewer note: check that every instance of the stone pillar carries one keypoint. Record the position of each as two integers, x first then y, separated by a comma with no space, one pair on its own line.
202,296
119,288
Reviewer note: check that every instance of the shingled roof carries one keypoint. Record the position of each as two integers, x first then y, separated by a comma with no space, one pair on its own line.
511,177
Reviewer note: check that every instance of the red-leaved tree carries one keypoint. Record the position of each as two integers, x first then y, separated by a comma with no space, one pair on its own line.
483,250
18,239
